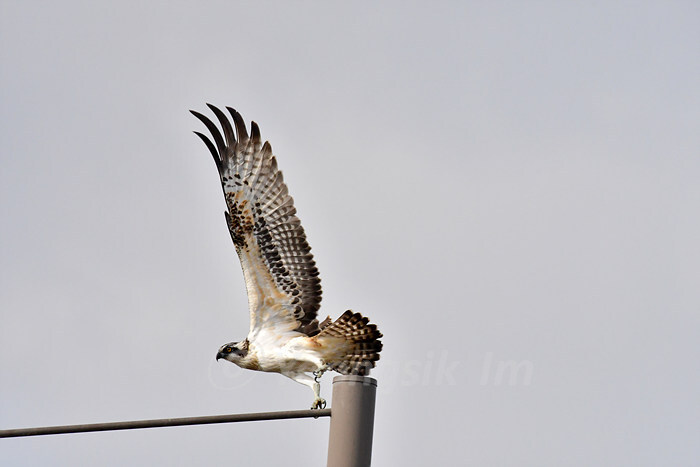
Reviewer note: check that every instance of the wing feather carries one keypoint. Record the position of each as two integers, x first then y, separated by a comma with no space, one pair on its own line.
281,277
220,146
225,124
240,124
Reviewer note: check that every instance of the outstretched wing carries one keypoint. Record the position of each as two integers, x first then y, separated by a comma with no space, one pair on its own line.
284,290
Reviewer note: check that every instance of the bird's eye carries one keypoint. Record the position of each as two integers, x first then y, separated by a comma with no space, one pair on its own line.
227,350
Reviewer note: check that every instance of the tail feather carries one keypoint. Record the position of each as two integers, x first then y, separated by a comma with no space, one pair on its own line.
363,344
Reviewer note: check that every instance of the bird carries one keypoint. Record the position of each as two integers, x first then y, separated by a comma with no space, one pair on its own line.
281,277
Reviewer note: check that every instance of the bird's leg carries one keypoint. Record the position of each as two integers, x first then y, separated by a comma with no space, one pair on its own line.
313,383
318,373
319,403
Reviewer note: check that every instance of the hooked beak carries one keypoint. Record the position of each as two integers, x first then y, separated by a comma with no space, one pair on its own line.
219,356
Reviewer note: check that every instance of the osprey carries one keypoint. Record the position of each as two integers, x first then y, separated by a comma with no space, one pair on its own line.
284,290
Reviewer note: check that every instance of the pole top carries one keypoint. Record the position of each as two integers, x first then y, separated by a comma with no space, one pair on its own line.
366,380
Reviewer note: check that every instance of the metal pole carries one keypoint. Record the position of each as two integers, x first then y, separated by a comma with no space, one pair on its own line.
163,422
352,423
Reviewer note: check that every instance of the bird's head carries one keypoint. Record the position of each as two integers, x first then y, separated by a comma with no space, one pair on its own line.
233,351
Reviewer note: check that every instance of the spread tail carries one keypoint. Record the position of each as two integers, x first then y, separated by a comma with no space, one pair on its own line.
362,339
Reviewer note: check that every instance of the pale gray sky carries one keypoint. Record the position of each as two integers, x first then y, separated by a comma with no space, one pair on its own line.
501,186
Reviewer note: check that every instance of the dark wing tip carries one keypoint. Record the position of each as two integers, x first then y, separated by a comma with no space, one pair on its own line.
267,148
215,133
225,124
211,147
240,124
254,133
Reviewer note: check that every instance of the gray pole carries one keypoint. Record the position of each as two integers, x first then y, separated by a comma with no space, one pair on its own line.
352,421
